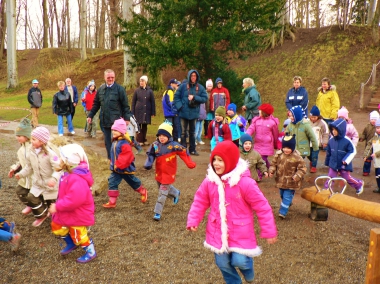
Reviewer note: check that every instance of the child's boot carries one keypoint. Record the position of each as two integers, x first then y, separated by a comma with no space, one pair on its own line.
113,195
90,253
27,210
144,193
70,246
15,241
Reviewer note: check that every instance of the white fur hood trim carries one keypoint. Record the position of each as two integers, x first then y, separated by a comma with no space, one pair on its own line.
233,177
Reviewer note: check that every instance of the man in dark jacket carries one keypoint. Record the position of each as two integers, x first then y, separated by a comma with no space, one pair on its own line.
187,100
35,100
112,101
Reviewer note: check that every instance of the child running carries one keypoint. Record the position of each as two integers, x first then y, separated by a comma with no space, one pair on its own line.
122,165
7,234
289,168
232,196
366,135
373,150
339,155
321,132
218,129
22,132
235,123
42,162
255,162
165,150
74,209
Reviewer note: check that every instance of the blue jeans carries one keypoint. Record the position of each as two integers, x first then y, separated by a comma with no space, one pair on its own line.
313,157
287,196
227,263
188,130
176,122
60,123
367,165
115,179
198,130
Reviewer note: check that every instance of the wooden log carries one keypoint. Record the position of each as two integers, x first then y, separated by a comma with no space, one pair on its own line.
312,195
372,275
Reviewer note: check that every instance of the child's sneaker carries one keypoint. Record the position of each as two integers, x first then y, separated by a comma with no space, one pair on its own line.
27,210
157,217
38,222
15,242
281,216
360,190
109,205
313,170
365,174
176,199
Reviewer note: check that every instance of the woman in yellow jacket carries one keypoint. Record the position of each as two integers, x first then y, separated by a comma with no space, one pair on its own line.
328,101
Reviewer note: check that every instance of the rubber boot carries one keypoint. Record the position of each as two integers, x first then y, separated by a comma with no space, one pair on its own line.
113,195
144,193
70,246
89,255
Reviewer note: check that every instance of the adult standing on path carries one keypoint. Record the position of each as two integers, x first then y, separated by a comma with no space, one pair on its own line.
35,100
72,90
143,108
112,99
170,112
328,101
187,100
220,96
252,99
297,96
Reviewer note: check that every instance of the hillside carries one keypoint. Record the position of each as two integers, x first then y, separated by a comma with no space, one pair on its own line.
346,57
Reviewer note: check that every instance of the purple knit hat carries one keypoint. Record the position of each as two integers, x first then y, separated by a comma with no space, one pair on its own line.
41,133
119,125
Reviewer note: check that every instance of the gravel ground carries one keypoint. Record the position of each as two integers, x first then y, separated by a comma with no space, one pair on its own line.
132,248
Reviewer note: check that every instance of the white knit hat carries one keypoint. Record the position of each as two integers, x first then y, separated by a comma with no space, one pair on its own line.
374,115
73,155
209,83
145,78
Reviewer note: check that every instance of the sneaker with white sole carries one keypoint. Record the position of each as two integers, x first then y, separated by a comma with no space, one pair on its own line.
360,190
281,216
72,132
157,217
176,199
38,222
201,142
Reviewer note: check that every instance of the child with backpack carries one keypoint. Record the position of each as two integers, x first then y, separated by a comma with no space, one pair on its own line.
235,123
218,129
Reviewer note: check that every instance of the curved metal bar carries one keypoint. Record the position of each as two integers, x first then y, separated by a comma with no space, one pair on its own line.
318,178
334,179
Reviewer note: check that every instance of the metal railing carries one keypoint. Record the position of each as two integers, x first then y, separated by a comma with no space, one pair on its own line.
373,76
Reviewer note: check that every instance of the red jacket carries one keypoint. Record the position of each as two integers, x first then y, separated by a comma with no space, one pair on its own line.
219,97
89,98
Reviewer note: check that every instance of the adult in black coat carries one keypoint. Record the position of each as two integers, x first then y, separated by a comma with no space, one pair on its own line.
143,107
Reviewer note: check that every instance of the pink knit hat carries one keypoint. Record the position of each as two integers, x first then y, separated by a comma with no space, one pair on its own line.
119,125
343,112
41,133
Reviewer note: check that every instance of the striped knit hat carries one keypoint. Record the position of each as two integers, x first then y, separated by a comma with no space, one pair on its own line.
41,133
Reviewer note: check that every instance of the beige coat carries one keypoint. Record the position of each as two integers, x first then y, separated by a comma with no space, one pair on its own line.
255,162
22,156
289,170
42,166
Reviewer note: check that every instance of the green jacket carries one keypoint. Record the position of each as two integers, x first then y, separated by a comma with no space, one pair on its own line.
252,101
255,161
304,135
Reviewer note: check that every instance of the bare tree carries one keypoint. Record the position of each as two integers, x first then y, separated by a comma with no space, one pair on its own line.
45,24
102,25
26,24
83,27
113,26
68,26
375,25
11,45
129,72
371,11
51,25
3,26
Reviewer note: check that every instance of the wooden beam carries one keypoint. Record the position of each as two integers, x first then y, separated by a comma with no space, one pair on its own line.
372,275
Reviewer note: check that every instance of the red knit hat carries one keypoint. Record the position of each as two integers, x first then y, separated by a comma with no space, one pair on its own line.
267,108
229,152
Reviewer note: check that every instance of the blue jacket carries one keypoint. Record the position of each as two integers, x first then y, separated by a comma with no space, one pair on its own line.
167,105
181,101
75,94
340,148
122,158
297,97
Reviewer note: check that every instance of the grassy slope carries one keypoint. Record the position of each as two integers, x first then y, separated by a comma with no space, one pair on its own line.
346,57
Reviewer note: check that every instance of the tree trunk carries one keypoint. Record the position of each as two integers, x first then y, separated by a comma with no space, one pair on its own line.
113,27
45,22
3,26
59,39
51,27
375,25
26,25
96,35
11,45
129,72
102,24
68,25
83,27
371,11
317,15
307,13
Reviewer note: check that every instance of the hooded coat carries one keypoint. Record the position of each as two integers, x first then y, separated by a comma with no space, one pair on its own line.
232,198
181,100
328,102
75,204
252,101
297,97
340,148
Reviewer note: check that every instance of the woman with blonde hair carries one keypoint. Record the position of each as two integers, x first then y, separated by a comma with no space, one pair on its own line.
252,99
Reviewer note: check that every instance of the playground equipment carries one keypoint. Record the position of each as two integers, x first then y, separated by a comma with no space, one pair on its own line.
324,198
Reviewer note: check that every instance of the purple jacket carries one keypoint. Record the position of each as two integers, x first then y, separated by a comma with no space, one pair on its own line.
352,133
233,199
75,204
266,134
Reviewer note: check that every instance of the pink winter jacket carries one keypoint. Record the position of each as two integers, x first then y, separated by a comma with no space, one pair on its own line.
266,134
233,199
352,133
75,204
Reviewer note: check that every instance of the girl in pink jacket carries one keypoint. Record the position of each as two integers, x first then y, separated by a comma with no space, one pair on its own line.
351,131
232,196
74,209
265,128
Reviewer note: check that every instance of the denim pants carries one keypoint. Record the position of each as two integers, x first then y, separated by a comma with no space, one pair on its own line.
313,157
355,183
115,179
367,165
198,130
287,196
60,123
227,263
164,191
188,130
176,123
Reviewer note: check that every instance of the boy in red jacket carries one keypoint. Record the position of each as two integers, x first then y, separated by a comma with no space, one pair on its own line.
165,150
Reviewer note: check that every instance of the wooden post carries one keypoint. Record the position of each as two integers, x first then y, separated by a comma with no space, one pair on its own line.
372,275
373,74
361,96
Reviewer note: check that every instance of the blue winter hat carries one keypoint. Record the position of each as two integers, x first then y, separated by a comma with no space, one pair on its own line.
315,111
218,80
289,141
297,113
232,107
245,137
